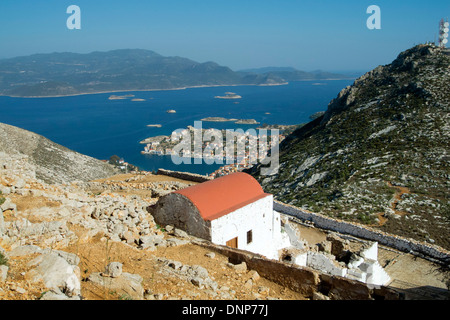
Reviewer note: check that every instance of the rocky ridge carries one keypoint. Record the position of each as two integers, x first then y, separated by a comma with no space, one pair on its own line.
53,162
379,155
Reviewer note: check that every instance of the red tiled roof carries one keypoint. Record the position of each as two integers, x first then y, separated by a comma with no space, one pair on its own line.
218,197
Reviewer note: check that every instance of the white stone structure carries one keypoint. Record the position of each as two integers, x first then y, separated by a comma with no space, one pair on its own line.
232,210
363,266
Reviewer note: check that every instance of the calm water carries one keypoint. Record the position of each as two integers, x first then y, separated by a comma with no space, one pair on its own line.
98,127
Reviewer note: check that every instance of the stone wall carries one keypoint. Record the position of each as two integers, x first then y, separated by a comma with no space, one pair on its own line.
177,210
184,175
360,231
304,280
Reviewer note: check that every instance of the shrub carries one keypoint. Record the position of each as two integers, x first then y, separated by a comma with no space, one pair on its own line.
3,260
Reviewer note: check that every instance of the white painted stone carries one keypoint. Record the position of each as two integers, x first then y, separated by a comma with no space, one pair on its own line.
301,259
325,263
356,274
376,275
371,252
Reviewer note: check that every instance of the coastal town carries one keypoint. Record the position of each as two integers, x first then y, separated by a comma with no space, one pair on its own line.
213,143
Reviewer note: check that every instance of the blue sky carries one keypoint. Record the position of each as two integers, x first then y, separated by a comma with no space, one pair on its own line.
308,35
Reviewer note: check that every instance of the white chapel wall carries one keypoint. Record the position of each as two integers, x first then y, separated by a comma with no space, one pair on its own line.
257,217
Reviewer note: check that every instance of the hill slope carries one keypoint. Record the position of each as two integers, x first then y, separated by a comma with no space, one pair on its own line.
379,155
54,163
118,70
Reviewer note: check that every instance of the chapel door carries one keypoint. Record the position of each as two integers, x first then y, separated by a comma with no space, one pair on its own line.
233,243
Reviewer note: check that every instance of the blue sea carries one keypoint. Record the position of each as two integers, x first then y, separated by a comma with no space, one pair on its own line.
99,127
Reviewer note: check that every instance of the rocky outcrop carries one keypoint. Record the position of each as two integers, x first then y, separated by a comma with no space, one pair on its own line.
389,130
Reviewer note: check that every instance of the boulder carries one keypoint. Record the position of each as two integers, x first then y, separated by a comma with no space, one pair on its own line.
3,273
239,268
56,273
151,241
113,270
4,190
199,271
127,285
254,275
8,205
175,265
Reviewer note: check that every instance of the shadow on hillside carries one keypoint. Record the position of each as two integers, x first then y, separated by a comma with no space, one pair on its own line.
414,292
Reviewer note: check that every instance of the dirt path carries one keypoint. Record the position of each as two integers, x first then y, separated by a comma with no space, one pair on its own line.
397,197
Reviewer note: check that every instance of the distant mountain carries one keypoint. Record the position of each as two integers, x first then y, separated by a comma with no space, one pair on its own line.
380,153
65,73
292,74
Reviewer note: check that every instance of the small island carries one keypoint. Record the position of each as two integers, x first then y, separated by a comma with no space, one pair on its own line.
217,119
229,95
127,96
237,121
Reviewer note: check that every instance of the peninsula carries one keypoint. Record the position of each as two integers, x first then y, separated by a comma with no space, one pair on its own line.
211,150
154,139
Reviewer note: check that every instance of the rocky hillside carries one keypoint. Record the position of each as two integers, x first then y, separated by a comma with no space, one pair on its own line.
97,241
54,163
380,153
